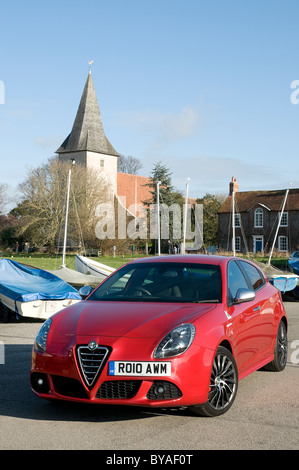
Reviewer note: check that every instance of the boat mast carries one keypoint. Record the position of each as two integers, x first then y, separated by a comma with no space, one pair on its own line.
233,223
158,217
183,248
278,225
66,215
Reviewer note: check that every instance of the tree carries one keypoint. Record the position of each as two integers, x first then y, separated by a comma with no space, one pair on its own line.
129,164
168,196
8,228
42,210
166,190
211,205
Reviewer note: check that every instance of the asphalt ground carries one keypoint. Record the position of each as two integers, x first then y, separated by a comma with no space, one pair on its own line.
265,414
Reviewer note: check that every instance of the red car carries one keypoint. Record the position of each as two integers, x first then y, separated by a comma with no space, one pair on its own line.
164,331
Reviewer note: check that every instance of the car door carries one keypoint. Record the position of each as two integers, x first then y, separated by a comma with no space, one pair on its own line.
245,318
263,294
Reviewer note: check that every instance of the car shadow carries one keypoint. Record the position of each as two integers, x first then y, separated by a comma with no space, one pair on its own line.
17,399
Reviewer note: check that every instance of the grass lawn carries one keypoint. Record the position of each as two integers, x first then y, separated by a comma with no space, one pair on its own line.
54,262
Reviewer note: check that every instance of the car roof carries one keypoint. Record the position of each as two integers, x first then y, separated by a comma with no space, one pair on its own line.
201,259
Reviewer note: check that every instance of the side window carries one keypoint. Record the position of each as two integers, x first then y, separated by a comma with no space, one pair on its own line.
255,276
235,281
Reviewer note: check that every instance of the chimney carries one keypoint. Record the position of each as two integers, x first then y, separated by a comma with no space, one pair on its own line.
233,186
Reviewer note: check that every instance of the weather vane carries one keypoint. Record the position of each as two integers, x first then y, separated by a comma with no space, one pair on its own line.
90,62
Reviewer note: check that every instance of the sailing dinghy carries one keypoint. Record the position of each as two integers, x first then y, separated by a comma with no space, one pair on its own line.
33,292
89,266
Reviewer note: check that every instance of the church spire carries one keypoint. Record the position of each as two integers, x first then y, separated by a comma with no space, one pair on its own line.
88,133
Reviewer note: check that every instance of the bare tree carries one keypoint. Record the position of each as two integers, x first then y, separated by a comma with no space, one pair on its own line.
42,210
129,164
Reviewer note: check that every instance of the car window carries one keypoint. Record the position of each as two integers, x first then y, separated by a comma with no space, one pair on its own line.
255,276
162,282
235,281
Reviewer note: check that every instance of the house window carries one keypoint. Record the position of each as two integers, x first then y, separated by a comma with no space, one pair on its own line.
284,219
282,243
237,244
237,220
102,163
258,218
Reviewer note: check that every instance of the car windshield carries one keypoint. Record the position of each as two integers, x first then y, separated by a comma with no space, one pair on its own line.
162,282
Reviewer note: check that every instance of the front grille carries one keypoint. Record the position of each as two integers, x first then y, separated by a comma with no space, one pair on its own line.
91,362
118,389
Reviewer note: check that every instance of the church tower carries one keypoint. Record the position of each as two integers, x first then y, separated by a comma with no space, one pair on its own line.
87,143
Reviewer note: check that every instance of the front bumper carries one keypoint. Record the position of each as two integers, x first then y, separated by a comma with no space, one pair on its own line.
58,374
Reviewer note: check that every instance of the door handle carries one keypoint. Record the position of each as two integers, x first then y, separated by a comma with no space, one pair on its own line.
256,309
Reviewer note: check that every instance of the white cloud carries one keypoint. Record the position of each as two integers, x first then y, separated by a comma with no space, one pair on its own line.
52,142
163,127
180,126
213,174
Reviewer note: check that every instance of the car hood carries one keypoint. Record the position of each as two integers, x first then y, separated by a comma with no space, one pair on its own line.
126,319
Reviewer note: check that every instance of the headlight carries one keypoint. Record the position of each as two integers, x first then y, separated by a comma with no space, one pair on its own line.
41,338
176,342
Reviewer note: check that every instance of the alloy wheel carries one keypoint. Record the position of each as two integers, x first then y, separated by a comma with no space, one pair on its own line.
282,344
223,382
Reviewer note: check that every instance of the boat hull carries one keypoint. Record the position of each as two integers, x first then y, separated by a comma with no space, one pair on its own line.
40,309
88,266
284,283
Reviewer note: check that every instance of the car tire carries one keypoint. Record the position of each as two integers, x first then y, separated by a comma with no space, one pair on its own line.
281,350
223,385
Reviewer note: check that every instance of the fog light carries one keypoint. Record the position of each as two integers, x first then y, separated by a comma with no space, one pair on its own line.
164,390
39,382
159,390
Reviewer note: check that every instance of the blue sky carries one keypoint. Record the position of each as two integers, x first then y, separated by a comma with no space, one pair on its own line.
201,85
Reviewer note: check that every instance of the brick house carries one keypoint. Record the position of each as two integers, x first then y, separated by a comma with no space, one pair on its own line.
256,220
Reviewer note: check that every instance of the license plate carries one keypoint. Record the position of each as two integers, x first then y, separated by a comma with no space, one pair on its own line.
140,368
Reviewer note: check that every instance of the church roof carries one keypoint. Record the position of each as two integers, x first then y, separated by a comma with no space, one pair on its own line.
88,133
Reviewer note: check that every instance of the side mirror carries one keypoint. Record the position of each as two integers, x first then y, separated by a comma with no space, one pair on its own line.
244,295
85,291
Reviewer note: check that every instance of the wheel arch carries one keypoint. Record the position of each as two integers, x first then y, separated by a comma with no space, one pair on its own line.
226,344
285,321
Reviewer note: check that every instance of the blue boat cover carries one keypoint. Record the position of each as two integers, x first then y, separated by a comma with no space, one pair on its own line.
294,265
25,284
